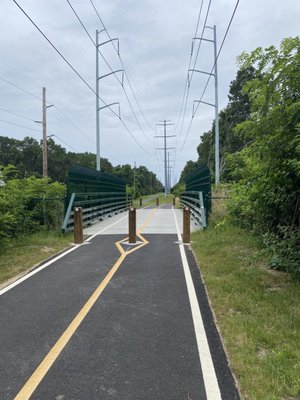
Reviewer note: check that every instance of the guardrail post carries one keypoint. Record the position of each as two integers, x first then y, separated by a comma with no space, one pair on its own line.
78,225
141,202
186,236
157,201
132,225
203,216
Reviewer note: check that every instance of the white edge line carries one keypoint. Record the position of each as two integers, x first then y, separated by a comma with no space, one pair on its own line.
35,271
209,375
104,229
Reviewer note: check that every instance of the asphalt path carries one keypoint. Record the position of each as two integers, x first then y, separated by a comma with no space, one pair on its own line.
112,321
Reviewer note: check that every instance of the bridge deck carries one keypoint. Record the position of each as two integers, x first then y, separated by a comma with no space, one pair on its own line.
159,221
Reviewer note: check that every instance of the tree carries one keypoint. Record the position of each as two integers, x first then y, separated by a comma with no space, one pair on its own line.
237,111
267,197
190,166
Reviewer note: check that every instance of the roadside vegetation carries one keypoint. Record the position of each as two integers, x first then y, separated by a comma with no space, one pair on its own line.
25,252
249,255
257,311
150,200
260,150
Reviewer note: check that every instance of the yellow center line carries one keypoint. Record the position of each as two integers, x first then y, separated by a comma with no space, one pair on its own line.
40,372
46,364
147,220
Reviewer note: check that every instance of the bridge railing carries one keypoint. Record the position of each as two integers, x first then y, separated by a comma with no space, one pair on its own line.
194,200
95,207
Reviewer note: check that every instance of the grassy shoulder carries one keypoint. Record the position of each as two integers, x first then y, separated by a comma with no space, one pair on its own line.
257,310
29,250
150,200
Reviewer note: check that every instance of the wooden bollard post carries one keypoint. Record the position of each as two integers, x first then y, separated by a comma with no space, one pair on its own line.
141,202
186,236
78,225
132,225
157,201
174,201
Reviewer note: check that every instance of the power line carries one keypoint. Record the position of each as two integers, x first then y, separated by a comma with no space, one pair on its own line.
190,62
20,126
18,115
32,120
188,80
76,151
19,88
73,124
31,94
78,74
92,40
210,75
123,66
200,41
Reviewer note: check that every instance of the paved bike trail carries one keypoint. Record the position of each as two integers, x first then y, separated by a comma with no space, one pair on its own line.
137,340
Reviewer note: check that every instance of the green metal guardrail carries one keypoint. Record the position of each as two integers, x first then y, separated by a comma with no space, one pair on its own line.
194,200
95,207
199,181
97,193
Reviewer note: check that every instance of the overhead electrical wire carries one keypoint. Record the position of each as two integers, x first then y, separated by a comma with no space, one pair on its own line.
78,74
65,143
210,75
125,92
19,88
183,106
32,120
123,66
190,62
81,132
188,80
20,126
34,129
31,94
18,115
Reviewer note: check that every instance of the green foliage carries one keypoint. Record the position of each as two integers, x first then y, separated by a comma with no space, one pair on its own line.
141,181
267,195
190,167
27,204
285,250
237,111
23,158
178,189
257,312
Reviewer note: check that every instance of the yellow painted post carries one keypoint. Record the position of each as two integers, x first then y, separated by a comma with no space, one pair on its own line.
78,225
132,225
186,236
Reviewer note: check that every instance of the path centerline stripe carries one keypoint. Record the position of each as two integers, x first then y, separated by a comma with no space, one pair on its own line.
40,372
47,362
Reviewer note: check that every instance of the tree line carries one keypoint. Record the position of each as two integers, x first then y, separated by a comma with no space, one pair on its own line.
25,158
29,203
260,149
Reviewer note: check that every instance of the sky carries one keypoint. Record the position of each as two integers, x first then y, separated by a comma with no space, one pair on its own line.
155,39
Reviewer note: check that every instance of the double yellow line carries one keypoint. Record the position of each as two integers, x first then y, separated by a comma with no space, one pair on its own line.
38,375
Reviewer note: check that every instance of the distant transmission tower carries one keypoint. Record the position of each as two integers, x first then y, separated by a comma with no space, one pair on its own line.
165,148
